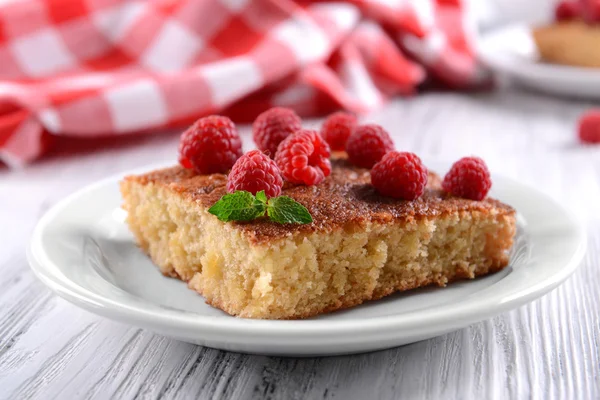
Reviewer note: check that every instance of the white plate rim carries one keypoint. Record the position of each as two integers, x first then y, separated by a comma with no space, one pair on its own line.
529,69
426,320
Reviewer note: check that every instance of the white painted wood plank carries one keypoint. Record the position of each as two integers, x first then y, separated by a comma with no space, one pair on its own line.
545,350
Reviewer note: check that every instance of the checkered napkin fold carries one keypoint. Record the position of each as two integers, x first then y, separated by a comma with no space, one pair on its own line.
88,68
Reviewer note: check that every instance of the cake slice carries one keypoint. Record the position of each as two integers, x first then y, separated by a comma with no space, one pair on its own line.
360,246
572,43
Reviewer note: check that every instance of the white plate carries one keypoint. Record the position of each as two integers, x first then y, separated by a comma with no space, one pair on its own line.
83,251
512,51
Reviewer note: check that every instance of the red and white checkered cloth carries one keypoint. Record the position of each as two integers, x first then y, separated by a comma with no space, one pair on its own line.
87,68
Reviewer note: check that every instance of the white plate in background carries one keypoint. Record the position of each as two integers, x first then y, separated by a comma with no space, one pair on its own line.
510,50
83,251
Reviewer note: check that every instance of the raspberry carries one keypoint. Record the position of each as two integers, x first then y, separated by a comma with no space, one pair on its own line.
589,127
304,158
567,10
337,128
469,178
210,145
590,11
253,172
367,145
400,175
274,125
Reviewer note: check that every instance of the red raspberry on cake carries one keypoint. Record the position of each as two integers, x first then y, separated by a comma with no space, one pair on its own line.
590,11
253,172
211,145
567,10
401,175
303,158
468,178
337,128
274,125
589,127
367,145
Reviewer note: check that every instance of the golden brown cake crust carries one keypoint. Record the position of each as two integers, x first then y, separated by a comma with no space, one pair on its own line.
345,198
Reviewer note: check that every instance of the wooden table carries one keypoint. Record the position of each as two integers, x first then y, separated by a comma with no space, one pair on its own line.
548,349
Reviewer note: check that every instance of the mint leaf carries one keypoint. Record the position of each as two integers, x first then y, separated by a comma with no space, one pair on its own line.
243,206
238,206
261,196
285,210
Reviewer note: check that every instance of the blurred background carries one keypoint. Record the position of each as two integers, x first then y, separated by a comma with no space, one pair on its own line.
495,13
80,74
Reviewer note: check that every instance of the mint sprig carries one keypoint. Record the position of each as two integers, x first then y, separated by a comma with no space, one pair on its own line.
243,206
238,206
285,210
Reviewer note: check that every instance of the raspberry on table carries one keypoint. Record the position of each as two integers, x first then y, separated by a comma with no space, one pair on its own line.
210,145
274,125
401,175
337,128
303,158
468,178
253,172
367,145
567,10
589,127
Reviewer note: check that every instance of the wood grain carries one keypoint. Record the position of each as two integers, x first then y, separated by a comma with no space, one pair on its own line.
549,349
